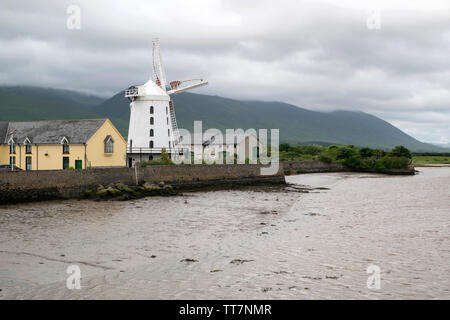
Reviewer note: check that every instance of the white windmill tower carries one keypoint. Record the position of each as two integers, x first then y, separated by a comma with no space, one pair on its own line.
153,125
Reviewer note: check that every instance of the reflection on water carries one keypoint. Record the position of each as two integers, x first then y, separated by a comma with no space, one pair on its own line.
239,244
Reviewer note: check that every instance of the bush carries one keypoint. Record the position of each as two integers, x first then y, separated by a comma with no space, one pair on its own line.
344,153
350,156
311,150
354,162
401,151
325,158
164,160
157,162
285,147
366,153
390,162
378,153
142,164
369,163
165,157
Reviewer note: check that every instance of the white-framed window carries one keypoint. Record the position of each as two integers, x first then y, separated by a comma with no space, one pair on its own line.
12,145
65,145
109,144
152,110
152,133
12,148
150,144
152,120
27,144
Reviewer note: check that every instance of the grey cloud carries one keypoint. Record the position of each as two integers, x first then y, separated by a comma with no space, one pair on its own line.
315,54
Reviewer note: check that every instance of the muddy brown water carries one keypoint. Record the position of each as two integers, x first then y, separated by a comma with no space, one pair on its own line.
312,240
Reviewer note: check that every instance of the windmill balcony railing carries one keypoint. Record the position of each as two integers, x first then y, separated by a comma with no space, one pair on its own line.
131,92
138,150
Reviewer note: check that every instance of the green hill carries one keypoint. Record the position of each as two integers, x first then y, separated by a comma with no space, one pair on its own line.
32,103
297,125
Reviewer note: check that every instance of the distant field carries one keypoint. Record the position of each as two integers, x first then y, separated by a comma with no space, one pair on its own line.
418,160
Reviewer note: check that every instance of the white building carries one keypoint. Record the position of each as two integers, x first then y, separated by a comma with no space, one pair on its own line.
153,124
150,127
217,148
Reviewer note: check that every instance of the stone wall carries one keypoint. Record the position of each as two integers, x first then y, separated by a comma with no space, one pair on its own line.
294,167
21,186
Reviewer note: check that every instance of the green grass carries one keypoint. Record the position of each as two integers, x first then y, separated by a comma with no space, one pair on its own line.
419,160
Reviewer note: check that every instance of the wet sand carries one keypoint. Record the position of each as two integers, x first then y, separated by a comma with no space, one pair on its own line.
311,240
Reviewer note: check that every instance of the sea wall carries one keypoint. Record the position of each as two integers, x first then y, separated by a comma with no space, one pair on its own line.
22,186
295,167
298,167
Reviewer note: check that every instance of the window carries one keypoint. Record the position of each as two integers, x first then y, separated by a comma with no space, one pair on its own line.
150,157
28,148
28,163
167,120
152,110
12,148
151,120
109,144
65,163
167,110
168,132
12,160
151,144
65,145
151,132
66,148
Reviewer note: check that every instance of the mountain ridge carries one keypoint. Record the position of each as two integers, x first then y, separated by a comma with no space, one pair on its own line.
297,125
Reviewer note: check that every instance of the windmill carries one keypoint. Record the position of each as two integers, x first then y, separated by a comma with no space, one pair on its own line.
153,125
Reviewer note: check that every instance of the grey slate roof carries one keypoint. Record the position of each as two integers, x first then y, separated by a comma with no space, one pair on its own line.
50,132
3,130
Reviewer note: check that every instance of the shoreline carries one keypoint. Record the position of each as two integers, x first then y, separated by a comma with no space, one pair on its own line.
432,165
127,184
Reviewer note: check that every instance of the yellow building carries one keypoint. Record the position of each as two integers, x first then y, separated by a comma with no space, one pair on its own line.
62,144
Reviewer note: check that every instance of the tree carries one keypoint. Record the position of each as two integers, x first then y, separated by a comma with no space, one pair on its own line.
401,151
366,153
345,153
378,153
165,157
285,147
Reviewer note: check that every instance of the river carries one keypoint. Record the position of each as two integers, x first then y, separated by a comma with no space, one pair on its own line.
314,239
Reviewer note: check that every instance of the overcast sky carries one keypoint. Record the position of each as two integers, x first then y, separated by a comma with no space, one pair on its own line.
390,60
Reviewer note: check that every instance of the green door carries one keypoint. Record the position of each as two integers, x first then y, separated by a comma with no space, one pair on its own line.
65,163
78,164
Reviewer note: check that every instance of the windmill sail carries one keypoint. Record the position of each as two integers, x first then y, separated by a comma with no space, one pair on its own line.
153,124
